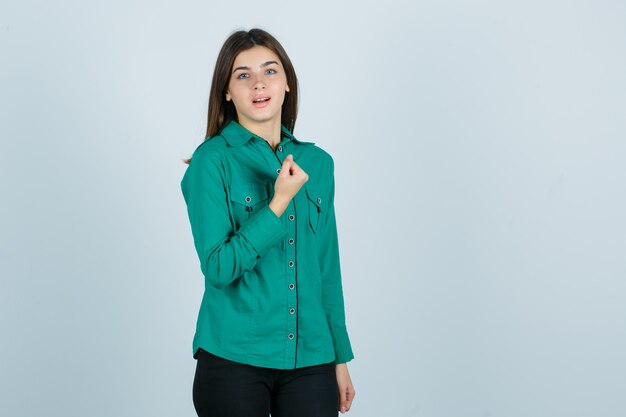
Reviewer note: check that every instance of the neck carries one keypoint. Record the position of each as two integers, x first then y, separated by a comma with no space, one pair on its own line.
268,130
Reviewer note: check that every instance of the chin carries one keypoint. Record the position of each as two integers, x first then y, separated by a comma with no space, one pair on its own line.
263,117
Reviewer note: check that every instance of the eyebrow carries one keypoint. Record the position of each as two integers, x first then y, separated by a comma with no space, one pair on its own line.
265,64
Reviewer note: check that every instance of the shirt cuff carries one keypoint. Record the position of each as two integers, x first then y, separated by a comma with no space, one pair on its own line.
343,348
264,230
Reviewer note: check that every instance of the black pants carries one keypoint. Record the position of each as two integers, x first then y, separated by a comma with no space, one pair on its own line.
223,388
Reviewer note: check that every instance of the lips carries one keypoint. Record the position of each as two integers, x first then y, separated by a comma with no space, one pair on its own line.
261,101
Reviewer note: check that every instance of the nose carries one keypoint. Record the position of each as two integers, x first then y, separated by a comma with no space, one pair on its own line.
259,83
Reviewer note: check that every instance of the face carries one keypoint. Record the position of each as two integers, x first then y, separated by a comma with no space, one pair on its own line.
257,73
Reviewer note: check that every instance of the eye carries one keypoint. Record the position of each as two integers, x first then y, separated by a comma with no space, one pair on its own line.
272,69
243,73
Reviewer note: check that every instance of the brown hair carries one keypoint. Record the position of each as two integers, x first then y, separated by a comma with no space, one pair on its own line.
221,111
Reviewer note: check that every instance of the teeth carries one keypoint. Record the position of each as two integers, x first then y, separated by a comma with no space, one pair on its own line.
261,99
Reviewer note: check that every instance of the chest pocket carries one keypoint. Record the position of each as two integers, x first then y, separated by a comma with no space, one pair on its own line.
246,199
316,207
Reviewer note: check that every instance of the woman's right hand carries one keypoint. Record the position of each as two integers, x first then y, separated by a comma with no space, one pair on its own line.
290,179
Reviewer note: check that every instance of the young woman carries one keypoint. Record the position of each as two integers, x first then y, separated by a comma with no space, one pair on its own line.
271,333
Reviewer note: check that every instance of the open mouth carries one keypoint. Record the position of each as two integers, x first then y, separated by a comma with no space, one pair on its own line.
261,101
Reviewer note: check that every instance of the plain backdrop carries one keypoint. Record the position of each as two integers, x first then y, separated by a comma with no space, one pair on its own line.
480,176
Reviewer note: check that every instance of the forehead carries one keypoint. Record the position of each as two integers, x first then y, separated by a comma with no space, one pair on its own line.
255,56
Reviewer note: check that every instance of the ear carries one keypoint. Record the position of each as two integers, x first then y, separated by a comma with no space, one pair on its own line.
227,96
287,88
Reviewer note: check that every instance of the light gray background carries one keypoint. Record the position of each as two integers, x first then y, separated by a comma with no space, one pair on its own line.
481,195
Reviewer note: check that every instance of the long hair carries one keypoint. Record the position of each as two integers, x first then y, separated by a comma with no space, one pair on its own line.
221,111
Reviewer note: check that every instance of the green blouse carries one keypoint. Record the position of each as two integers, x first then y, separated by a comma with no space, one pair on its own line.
273,295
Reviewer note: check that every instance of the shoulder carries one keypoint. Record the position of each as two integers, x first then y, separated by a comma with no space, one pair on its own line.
210,155
320,156
207,162
212,148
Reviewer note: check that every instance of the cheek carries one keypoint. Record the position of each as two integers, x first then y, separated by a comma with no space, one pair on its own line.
282,81
236,93
279,86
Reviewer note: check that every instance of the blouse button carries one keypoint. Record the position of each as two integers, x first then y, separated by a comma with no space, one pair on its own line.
291,217
291,241
280,148
319,200
290,263
290,335
291,286
292,310
278,171
248,199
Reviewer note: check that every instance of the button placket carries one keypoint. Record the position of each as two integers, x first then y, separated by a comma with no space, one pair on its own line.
290,280
290,256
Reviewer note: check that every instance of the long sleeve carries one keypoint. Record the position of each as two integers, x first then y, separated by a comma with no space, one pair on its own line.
225,254
331,281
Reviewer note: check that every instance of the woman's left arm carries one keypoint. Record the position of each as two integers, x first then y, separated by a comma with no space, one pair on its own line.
332,288
332,295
